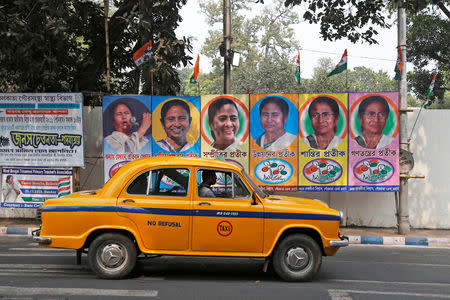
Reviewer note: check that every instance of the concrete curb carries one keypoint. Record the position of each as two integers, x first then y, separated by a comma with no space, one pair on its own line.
399,240
17,230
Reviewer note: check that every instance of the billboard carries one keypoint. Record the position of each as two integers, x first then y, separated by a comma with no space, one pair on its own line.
44,129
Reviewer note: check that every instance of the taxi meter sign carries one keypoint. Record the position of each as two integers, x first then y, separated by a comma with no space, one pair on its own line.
224,228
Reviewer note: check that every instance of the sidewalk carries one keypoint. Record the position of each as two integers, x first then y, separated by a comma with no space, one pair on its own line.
390,236
357,235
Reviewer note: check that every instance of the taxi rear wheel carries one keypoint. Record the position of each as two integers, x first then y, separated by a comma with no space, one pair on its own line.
112,256
297,258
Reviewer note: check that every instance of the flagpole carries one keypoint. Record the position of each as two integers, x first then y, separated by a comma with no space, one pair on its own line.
151,78
198,86
346,79
108,76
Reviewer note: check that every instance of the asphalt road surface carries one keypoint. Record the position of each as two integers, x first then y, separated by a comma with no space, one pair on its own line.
28,271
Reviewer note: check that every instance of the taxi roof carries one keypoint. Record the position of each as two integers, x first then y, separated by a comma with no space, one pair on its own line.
181,161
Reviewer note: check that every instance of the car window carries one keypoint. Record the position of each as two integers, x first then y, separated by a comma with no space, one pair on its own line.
165,181
139,185
240,190
220,184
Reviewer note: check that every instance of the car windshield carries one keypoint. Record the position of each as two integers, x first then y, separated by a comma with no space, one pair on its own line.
255,187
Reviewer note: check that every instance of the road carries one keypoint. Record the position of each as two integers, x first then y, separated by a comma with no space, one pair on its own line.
356,272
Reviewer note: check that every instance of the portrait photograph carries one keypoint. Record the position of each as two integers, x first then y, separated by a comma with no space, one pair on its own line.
176,125
323,122
274,122
374,121
225,123
127,123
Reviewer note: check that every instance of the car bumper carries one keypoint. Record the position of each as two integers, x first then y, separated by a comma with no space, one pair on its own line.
39,239
343,242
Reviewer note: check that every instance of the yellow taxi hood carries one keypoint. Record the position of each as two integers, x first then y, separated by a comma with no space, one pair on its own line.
277,200
70,199
82,193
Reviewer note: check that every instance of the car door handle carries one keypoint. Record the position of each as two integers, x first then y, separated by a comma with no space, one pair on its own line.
128,201
204,203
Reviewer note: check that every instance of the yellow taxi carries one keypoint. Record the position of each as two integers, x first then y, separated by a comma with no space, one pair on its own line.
190,206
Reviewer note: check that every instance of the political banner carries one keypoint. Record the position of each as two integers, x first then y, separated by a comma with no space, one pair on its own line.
176,126
323,143
225,128
286,142
30,187
127,131
374,142
41,129
273,142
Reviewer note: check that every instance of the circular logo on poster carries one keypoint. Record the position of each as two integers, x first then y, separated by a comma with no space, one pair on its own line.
322,171
113,170
373,170
274,171
224,228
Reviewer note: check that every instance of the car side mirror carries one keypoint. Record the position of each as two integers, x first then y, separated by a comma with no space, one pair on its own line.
254,197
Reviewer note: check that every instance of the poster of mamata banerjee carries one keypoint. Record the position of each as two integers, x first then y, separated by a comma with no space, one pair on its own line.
225,128
374,142
127,131
273,141
41,129
176,126
323,142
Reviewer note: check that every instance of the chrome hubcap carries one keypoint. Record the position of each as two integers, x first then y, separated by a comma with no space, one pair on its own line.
297,258
112,255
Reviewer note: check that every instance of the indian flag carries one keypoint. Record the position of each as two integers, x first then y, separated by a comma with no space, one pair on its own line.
297,70
428,101
143,55
64,187
398,65
194,76
430,89
341,66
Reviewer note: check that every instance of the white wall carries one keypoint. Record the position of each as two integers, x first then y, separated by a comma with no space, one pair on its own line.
429,204
429,198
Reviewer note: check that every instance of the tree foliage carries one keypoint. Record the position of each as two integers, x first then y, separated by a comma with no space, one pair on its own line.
428,38
59,45
45,42
266,42
352,19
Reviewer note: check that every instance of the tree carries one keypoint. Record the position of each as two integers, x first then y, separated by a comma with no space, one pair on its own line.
266,43
355,19
428,38
338,19
45,43
59,45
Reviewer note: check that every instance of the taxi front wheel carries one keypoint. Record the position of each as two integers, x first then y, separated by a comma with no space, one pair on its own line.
297,258
112,256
